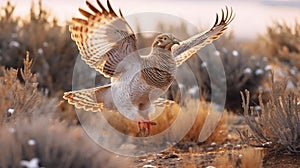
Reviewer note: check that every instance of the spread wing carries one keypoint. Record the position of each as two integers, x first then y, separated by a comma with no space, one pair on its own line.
103,38
190,46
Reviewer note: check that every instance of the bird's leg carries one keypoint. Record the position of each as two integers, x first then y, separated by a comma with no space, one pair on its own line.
148,125
144,126
140,128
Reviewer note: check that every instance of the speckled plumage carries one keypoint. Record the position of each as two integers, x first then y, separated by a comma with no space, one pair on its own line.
108,44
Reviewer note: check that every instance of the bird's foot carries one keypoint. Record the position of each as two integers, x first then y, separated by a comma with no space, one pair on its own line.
144,127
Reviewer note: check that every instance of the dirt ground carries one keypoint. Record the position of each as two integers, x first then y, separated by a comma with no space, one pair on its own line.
207,155
224,154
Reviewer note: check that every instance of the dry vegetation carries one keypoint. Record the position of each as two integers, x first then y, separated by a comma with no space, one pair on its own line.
281,45
282,42
246,158
49,44
277,122
53,145
34,118
20,99
31,134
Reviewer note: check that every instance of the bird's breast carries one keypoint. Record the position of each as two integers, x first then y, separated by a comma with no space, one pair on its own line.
158,69
157,77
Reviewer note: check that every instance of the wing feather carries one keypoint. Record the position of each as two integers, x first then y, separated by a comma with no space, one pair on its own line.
103,38
190,46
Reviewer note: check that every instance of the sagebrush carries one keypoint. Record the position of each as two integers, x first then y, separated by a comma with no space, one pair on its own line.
33,128
277,125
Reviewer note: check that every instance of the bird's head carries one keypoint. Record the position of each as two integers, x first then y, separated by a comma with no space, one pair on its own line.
165,41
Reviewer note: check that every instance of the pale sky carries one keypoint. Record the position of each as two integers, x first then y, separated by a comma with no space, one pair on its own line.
252,17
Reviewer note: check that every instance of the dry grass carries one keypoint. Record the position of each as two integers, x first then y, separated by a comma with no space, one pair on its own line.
245,158
218,135
128,127
28,116
167,118
54,144
277,124
251,157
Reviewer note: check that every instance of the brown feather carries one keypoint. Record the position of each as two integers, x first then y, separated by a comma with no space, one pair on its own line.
95,10
84,13
104,11
105,39
111,11
104,54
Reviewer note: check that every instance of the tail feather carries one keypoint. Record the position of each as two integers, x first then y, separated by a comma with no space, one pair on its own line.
88,99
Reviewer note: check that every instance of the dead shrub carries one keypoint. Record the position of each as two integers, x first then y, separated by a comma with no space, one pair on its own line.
50,45
32,136
277,125
21,99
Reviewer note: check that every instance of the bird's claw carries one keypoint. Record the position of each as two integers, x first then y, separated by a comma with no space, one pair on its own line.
145,128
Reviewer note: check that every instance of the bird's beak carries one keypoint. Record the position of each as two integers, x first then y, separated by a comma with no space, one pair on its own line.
175,41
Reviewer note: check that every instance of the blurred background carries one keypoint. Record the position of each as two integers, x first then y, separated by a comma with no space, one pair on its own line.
264,35
260,48
252,16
